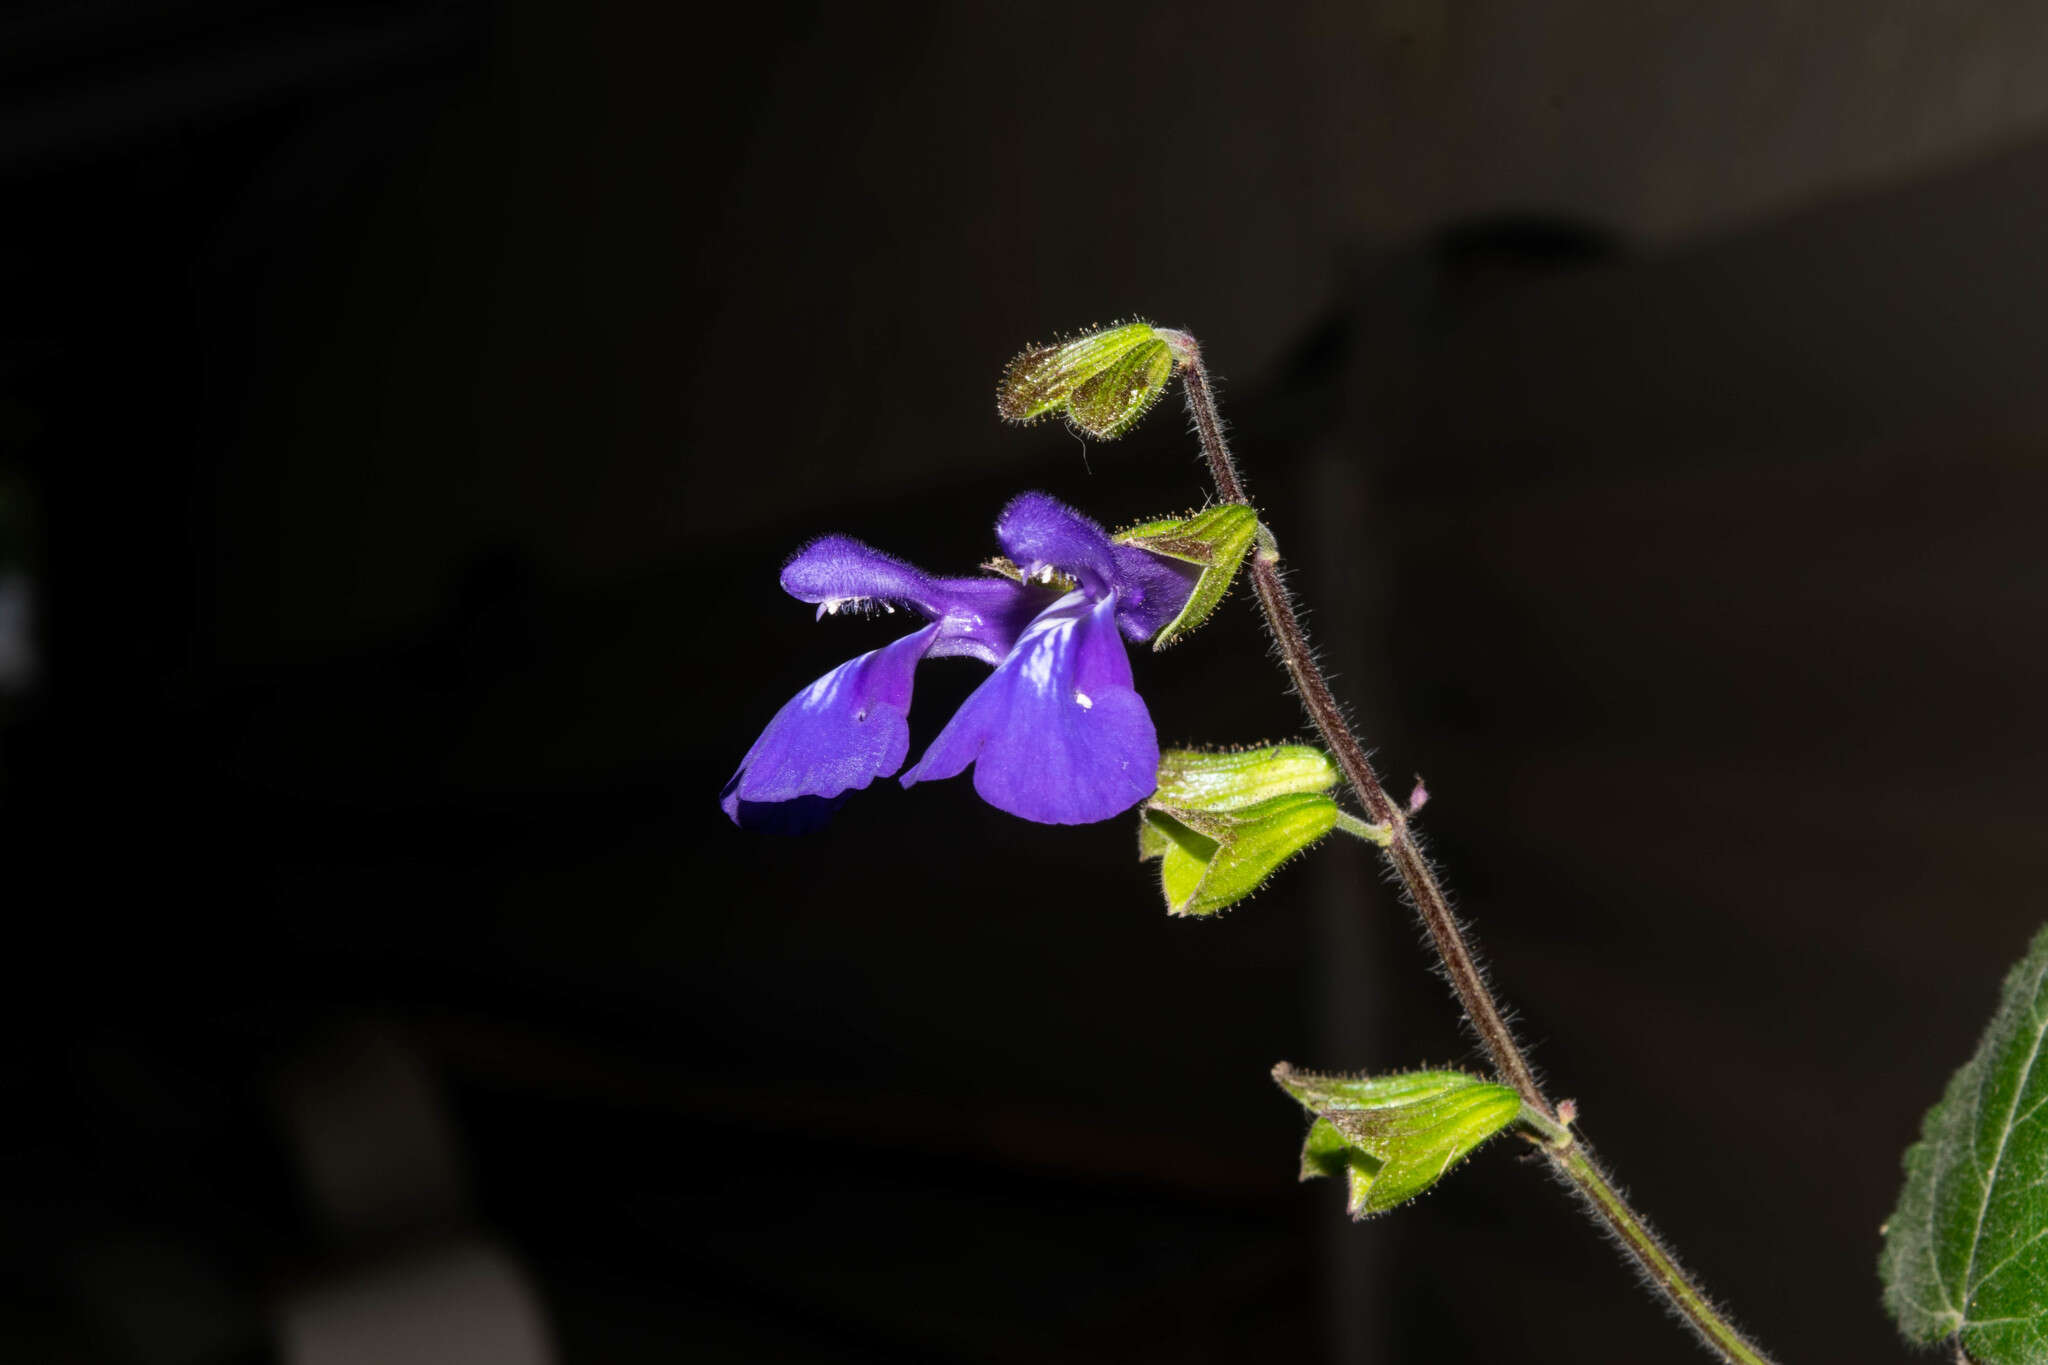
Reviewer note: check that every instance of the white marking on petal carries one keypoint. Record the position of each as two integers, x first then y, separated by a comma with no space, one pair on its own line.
1046,640
1087,703
1037,668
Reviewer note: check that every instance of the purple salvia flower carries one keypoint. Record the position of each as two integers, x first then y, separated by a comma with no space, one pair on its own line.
1057,734
852,725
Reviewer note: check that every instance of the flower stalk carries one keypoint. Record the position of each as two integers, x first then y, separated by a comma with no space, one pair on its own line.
1567,1155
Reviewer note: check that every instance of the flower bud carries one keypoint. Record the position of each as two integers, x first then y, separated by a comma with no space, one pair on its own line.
1211,861
1392,1137
1195,779
1220,824
1102,383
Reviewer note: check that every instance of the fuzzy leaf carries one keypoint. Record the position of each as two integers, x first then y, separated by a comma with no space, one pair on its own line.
1102,383
1966,1251
1392,1137
1216,539
1211,860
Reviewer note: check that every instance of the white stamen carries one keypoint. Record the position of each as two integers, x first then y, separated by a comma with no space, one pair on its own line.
832,606
1087,703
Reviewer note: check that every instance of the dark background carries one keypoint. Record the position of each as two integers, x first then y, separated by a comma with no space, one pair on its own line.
404,411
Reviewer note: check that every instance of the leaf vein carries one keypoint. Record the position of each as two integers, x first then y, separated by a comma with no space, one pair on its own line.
2032,1110
2005,1132
1992,1273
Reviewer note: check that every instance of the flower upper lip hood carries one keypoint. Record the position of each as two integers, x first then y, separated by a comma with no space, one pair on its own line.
1056,734
978,617
1038,531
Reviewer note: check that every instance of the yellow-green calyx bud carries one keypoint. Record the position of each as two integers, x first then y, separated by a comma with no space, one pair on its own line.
1392,1137
1220,824
1102,383
1194,779
1211,862
1216,539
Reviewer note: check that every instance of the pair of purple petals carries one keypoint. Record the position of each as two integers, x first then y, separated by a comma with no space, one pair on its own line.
1056,734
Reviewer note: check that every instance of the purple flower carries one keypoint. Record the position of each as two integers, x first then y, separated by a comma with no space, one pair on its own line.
1056,734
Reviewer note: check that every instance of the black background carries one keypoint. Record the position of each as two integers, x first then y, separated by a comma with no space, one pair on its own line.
404,411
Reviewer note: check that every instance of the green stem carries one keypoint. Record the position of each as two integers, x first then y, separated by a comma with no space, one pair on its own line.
1567,1155
1376,835
1578,1168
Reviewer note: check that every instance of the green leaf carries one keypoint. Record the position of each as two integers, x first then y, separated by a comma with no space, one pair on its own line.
1102,382
1209,860
1392,1137
1966,1251
1216,539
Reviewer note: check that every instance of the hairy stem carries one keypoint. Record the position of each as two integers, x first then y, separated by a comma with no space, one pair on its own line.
1567,1156
1596,1188
1314,690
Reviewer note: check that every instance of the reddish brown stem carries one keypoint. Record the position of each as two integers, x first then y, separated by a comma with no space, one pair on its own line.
1569,1157
1414,869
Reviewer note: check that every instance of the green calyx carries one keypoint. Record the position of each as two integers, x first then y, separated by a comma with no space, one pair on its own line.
1220,824
1102,383
1392,1137
1215,539
1211,862
1196,779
